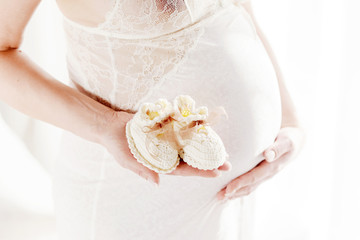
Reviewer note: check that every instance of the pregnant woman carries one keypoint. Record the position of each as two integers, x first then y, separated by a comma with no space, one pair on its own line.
122,53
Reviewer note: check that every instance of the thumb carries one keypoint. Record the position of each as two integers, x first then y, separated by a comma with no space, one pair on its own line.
147,173
153,177
278,148
270,154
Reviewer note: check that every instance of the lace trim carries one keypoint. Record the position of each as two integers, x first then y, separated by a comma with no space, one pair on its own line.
184,57
124,72
109,15
140,158
115,26
154,60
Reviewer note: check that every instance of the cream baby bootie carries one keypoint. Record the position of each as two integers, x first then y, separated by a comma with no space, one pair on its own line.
151,148
202,146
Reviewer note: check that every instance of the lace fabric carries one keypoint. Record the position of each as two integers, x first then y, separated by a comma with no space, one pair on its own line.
216,57
123,59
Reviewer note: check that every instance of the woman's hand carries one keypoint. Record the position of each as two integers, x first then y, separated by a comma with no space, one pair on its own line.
114,139
286,147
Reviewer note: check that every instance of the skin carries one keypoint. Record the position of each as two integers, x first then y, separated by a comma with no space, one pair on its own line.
287,144
31,90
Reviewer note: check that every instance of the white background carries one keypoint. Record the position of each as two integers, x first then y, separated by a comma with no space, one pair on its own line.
315,197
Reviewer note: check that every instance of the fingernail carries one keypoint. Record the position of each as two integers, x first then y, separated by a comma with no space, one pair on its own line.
230,167
148,179
155,183
222,198
270,155
230,193
227,195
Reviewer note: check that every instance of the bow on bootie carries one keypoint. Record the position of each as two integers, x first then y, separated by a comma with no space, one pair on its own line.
160,133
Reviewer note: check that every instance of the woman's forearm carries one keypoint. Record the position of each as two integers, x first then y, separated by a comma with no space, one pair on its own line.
32,91
289,115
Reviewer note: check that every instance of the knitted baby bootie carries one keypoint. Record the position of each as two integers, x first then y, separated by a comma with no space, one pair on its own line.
202,146
150,147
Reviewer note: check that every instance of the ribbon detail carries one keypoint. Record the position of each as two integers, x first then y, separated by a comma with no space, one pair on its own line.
172,131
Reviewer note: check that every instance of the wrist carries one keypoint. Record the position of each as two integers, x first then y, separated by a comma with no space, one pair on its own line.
290,122
105,123
112,126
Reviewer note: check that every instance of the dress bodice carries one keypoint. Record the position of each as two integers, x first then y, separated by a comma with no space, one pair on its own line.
139,43
211,52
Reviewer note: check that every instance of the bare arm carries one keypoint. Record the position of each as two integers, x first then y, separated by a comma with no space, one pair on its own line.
289,115
287,144
32,91
29,89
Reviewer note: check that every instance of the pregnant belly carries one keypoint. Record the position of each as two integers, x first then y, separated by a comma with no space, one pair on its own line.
229,67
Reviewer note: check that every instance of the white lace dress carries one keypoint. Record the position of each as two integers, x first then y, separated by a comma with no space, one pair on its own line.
146,49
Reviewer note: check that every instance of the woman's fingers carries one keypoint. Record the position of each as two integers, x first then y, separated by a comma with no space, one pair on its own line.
245,191
242,191
257,175
144,172
238,193
289,139
183,169
221,194
281,146
226,166
287,144
253,176
127,160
